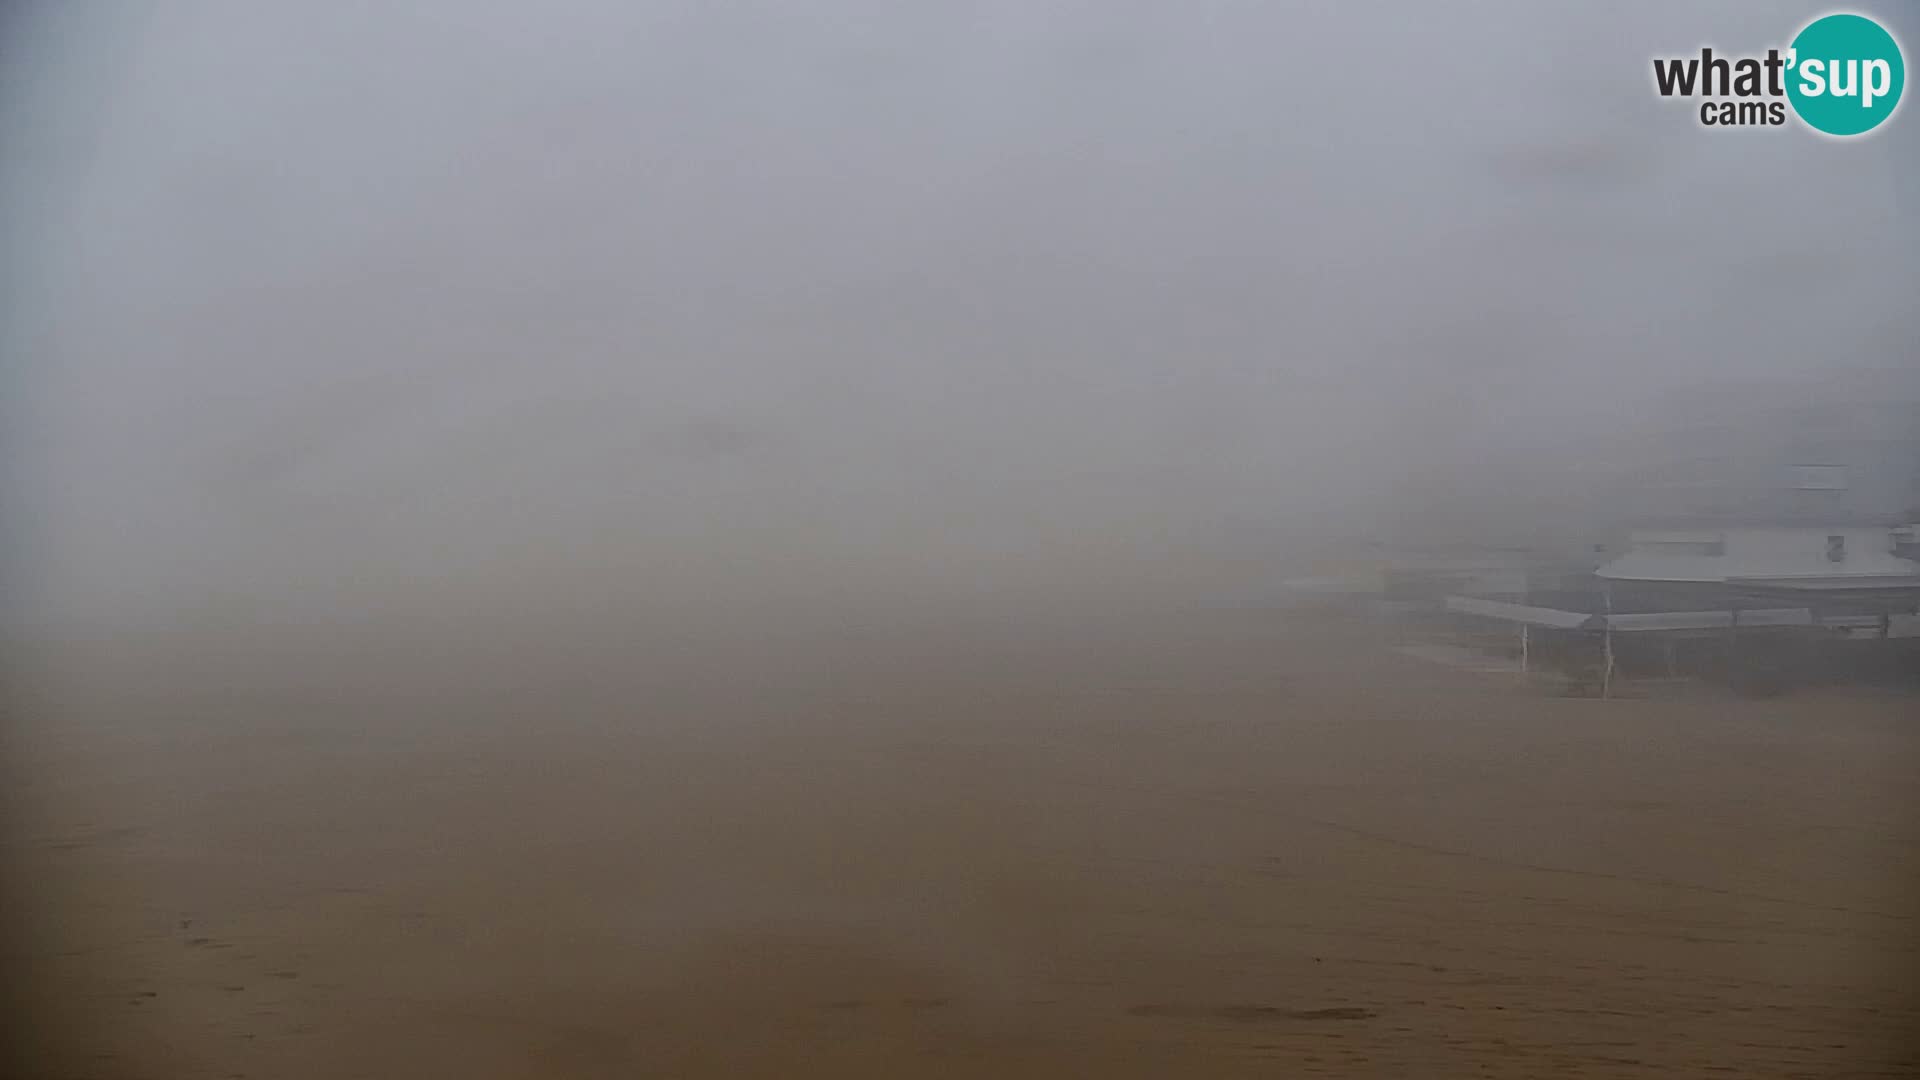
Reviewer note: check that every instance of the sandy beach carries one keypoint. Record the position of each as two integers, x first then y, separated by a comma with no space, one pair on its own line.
1205,845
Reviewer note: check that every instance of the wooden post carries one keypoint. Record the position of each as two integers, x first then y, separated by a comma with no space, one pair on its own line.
1733,639
1820,648
1606,666
1606,643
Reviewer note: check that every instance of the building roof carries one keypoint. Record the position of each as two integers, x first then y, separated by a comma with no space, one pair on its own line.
1698,522
1812,567
1832,583
1632,622
1553,618
1704,620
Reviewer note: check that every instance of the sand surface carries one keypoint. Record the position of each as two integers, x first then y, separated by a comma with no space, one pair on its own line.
1198,846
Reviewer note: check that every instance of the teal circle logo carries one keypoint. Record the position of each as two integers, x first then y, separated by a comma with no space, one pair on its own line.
1845,74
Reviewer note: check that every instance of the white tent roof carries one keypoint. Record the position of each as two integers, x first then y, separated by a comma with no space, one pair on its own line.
1683,566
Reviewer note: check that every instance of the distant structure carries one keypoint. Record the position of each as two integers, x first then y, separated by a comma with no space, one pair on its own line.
1752,529
1840,452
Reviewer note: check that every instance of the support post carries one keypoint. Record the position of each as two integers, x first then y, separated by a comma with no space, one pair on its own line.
1733,640
1525,647
1606,644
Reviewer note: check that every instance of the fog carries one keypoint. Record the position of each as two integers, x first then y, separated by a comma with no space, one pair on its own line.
762,539
703,316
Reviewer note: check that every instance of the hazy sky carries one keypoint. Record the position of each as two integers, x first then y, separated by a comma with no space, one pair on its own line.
332,307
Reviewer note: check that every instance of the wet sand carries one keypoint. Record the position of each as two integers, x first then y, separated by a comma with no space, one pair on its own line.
1195,846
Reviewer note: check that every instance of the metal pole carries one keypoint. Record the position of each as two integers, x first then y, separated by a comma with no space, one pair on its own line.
1606,644
1524,648
1733,638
